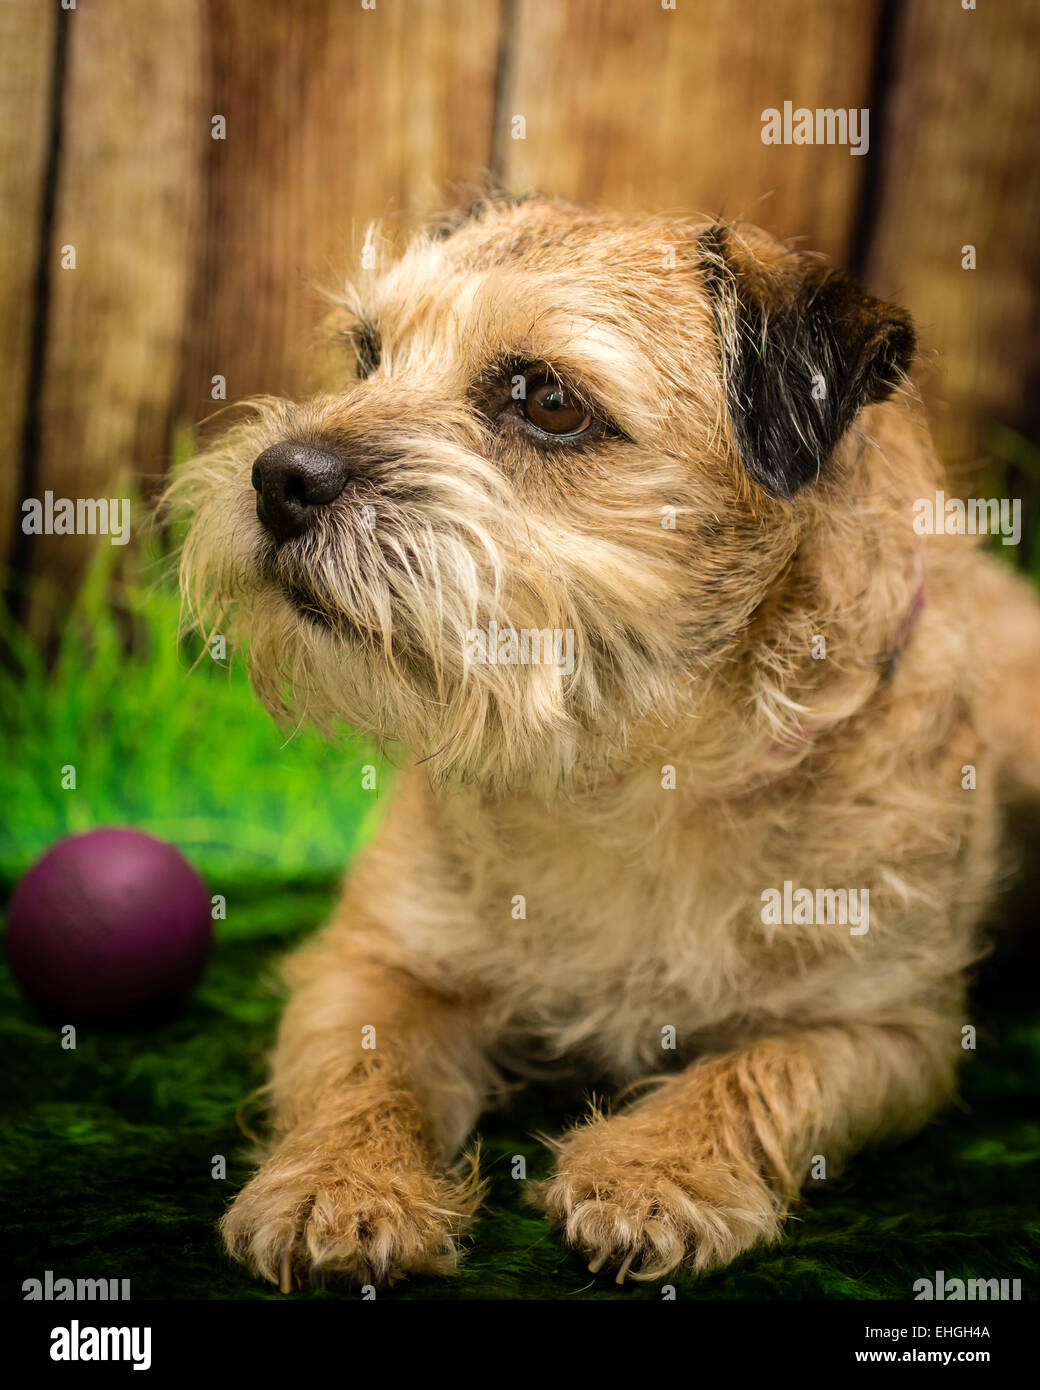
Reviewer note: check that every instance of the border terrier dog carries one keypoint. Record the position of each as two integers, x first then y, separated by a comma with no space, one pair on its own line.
608,525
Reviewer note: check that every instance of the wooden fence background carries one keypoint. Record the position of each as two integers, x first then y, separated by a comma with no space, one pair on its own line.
196,257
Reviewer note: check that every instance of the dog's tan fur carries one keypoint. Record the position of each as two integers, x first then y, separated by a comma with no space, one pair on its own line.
694,651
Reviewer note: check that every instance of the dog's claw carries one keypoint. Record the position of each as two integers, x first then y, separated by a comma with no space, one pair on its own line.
623,1271
285,1283
597,1264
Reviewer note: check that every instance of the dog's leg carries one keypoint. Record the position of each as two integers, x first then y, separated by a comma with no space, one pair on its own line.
708,1164
377,1080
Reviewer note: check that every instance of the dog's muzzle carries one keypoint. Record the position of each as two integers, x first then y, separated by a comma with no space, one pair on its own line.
293,483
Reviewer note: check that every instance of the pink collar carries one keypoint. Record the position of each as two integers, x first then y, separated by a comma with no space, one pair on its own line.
890,657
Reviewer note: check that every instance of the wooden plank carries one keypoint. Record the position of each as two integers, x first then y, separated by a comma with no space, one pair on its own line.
632,105
335,115
126,197
960,169
27,43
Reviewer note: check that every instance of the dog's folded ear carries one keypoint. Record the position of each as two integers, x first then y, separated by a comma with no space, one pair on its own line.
804,349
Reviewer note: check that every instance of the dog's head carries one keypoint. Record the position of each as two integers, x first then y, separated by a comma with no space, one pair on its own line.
567,458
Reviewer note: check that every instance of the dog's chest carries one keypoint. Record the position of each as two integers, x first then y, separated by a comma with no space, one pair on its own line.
593,949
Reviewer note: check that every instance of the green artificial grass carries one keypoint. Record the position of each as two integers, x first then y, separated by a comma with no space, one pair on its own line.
108,1150
167,739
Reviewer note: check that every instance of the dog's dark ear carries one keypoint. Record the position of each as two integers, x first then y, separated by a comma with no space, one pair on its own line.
804,349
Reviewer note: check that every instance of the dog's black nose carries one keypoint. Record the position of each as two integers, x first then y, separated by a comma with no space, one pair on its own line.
293,482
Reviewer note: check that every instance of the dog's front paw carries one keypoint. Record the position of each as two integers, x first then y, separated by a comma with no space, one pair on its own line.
317,1208
631,1203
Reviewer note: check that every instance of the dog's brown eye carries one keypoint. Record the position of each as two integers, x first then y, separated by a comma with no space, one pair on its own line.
369,349
551,408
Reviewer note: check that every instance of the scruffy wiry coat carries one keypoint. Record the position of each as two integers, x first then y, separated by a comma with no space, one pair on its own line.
776,681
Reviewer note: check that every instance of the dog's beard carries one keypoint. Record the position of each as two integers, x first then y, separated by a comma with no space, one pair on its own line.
389,589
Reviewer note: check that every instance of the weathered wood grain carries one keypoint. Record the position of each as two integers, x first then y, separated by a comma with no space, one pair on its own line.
336,115
126,201
961,169
633,105
27,43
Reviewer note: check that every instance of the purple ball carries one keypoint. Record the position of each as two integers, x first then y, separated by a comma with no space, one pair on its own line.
108,925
